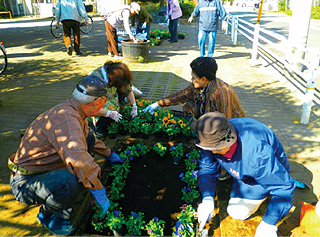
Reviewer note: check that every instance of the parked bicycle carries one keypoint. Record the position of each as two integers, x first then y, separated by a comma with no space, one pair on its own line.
57,31
3,58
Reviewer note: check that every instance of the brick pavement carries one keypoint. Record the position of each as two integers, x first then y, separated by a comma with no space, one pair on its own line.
41,75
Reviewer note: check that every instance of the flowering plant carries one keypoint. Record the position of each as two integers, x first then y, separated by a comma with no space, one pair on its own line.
115,220
160,149
177,151
185,224
135,125
190,179
189,194
191,160
135,224
155,227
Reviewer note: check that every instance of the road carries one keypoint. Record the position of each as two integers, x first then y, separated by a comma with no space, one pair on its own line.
277,22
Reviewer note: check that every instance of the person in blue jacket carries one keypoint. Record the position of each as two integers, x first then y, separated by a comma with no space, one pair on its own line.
209,11
252,154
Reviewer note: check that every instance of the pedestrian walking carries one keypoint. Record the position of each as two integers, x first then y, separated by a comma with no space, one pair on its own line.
173,14
249,151
113,21
209,11
70,13
144,20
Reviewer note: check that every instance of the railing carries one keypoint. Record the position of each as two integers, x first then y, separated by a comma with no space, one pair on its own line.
281,49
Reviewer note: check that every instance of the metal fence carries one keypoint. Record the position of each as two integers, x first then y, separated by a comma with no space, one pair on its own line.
266,43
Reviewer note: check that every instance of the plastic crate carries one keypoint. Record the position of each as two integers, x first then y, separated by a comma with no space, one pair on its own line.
181,114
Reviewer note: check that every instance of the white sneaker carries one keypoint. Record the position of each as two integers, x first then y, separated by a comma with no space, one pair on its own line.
118,57
110,54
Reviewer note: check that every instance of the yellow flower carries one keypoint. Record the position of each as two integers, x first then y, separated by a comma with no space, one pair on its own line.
180,122
165,120
155,114
173,121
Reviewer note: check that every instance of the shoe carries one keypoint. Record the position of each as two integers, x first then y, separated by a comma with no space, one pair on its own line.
69,50
55,224
118,57
79,54
110,54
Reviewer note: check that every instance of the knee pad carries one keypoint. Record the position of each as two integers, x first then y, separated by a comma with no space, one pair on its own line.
241,208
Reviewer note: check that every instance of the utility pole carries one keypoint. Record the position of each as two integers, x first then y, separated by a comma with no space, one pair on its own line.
298,32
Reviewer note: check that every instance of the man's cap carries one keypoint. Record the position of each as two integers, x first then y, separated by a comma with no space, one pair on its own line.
215,132
135,6
93,86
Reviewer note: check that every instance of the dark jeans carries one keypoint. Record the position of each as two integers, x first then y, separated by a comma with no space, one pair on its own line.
173,29
57,190
69,25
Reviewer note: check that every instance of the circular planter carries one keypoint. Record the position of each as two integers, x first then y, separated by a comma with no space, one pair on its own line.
134,52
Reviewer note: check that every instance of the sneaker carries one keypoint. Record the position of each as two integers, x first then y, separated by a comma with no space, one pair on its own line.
110,54
55,224
69,50
118,57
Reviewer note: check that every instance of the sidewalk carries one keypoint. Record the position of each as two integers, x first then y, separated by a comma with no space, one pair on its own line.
41,74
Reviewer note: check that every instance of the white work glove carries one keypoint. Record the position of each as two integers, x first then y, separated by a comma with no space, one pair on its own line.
131,37
115,115
266,230
224,25
151,107
205,211
144,25
134,111
190,19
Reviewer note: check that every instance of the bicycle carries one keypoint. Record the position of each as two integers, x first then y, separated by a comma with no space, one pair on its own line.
3,58
57,31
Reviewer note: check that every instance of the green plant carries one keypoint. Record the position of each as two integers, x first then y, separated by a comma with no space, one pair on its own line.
143,149
135,125
176,151
185,224
146,128
140,59
187,8
315,14
115,220
191,160
155,227
112,128
135,224
160,149
189,194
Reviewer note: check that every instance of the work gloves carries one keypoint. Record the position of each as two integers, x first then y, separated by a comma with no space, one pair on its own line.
224,25
151,107
115,115
266,230
134,111
114,159
205,211
190,19
101,198
144,25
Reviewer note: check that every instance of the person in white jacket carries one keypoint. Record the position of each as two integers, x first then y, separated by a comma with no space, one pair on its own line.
113,21
70,13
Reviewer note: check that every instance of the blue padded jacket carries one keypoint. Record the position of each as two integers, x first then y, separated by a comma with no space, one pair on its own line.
259,160
209,11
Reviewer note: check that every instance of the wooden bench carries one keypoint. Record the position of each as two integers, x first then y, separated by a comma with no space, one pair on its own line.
8,12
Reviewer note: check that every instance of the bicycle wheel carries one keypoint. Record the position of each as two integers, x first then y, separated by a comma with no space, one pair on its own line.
86,29
56,31
3,60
